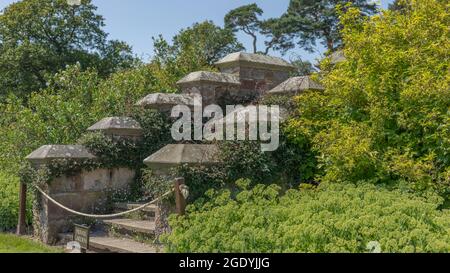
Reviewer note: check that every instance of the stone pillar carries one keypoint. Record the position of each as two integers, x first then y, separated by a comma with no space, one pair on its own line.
257,73
86,192
214,88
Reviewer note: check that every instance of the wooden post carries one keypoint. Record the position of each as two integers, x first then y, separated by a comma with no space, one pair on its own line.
179,198
21,227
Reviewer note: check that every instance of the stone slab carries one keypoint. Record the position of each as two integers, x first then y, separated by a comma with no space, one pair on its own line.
139,226
211,77
102,242
121,126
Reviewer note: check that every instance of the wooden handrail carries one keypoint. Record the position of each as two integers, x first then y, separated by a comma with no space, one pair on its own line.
180,201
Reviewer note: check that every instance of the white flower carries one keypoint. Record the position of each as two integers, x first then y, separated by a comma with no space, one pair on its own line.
374,247
73,247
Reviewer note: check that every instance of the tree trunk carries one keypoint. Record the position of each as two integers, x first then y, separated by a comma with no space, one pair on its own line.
330,44
255,44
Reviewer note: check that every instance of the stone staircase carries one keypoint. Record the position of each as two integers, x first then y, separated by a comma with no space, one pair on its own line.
243,79
134,233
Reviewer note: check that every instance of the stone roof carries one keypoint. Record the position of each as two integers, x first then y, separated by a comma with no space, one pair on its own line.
296,85
213,77
52,152
338,57
118,125
179,154
254,60
156,100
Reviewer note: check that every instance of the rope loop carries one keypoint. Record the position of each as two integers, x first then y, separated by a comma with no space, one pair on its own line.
101,216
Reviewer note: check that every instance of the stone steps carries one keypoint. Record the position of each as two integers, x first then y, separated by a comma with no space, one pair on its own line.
103,243
123,235
147,213
132,226
130,206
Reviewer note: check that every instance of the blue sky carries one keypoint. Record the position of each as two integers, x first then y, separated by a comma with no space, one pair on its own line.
136,21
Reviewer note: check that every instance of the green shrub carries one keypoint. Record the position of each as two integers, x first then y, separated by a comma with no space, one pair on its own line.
384,115
331,218
9,201
290,164
244,159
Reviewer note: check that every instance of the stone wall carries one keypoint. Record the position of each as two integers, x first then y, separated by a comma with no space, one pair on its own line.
87,192
256,81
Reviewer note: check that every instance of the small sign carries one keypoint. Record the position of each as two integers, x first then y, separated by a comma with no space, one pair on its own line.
81,235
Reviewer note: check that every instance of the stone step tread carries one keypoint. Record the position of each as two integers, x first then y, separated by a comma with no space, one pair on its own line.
141,226
119,245
130,206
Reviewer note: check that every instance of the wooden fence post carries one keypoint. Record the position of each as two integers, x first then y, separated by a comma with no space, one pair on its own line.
179,198
21,226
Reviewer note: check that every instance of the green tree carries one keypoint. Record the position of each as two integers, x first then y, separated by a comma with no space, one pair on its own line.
40,37
192,49
246,19
309,21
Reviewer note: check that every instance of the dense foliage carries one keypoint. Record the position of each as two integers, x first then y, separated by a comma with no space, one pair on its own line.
9,201
40,37
332,218
247,19
305,23
385,113
308,21
195,48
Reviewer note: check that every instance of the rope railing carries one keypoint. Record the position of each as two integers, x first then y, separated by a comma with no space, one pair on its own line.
180,190
106,216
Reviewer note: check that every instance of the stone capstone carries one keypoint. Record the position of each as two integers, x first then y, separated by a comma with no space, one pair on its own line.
174,155
254,60
118,126
48,153
164,102
210,77
296,85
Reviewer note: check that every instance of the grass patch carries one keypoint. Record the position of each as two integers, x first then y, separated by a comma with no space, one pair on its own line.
14,244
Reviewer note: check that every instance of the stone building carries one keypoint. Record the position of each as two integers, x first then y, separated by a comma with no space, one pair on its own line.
243,79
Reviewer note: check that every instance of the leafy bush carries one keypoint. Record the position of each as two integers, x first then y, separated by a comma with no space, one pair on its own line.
9,201
384,115
331,218
244,159
290,164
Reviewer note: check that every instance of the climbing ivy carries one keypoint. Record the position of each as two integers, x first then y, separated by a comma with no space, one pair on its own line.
110,153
